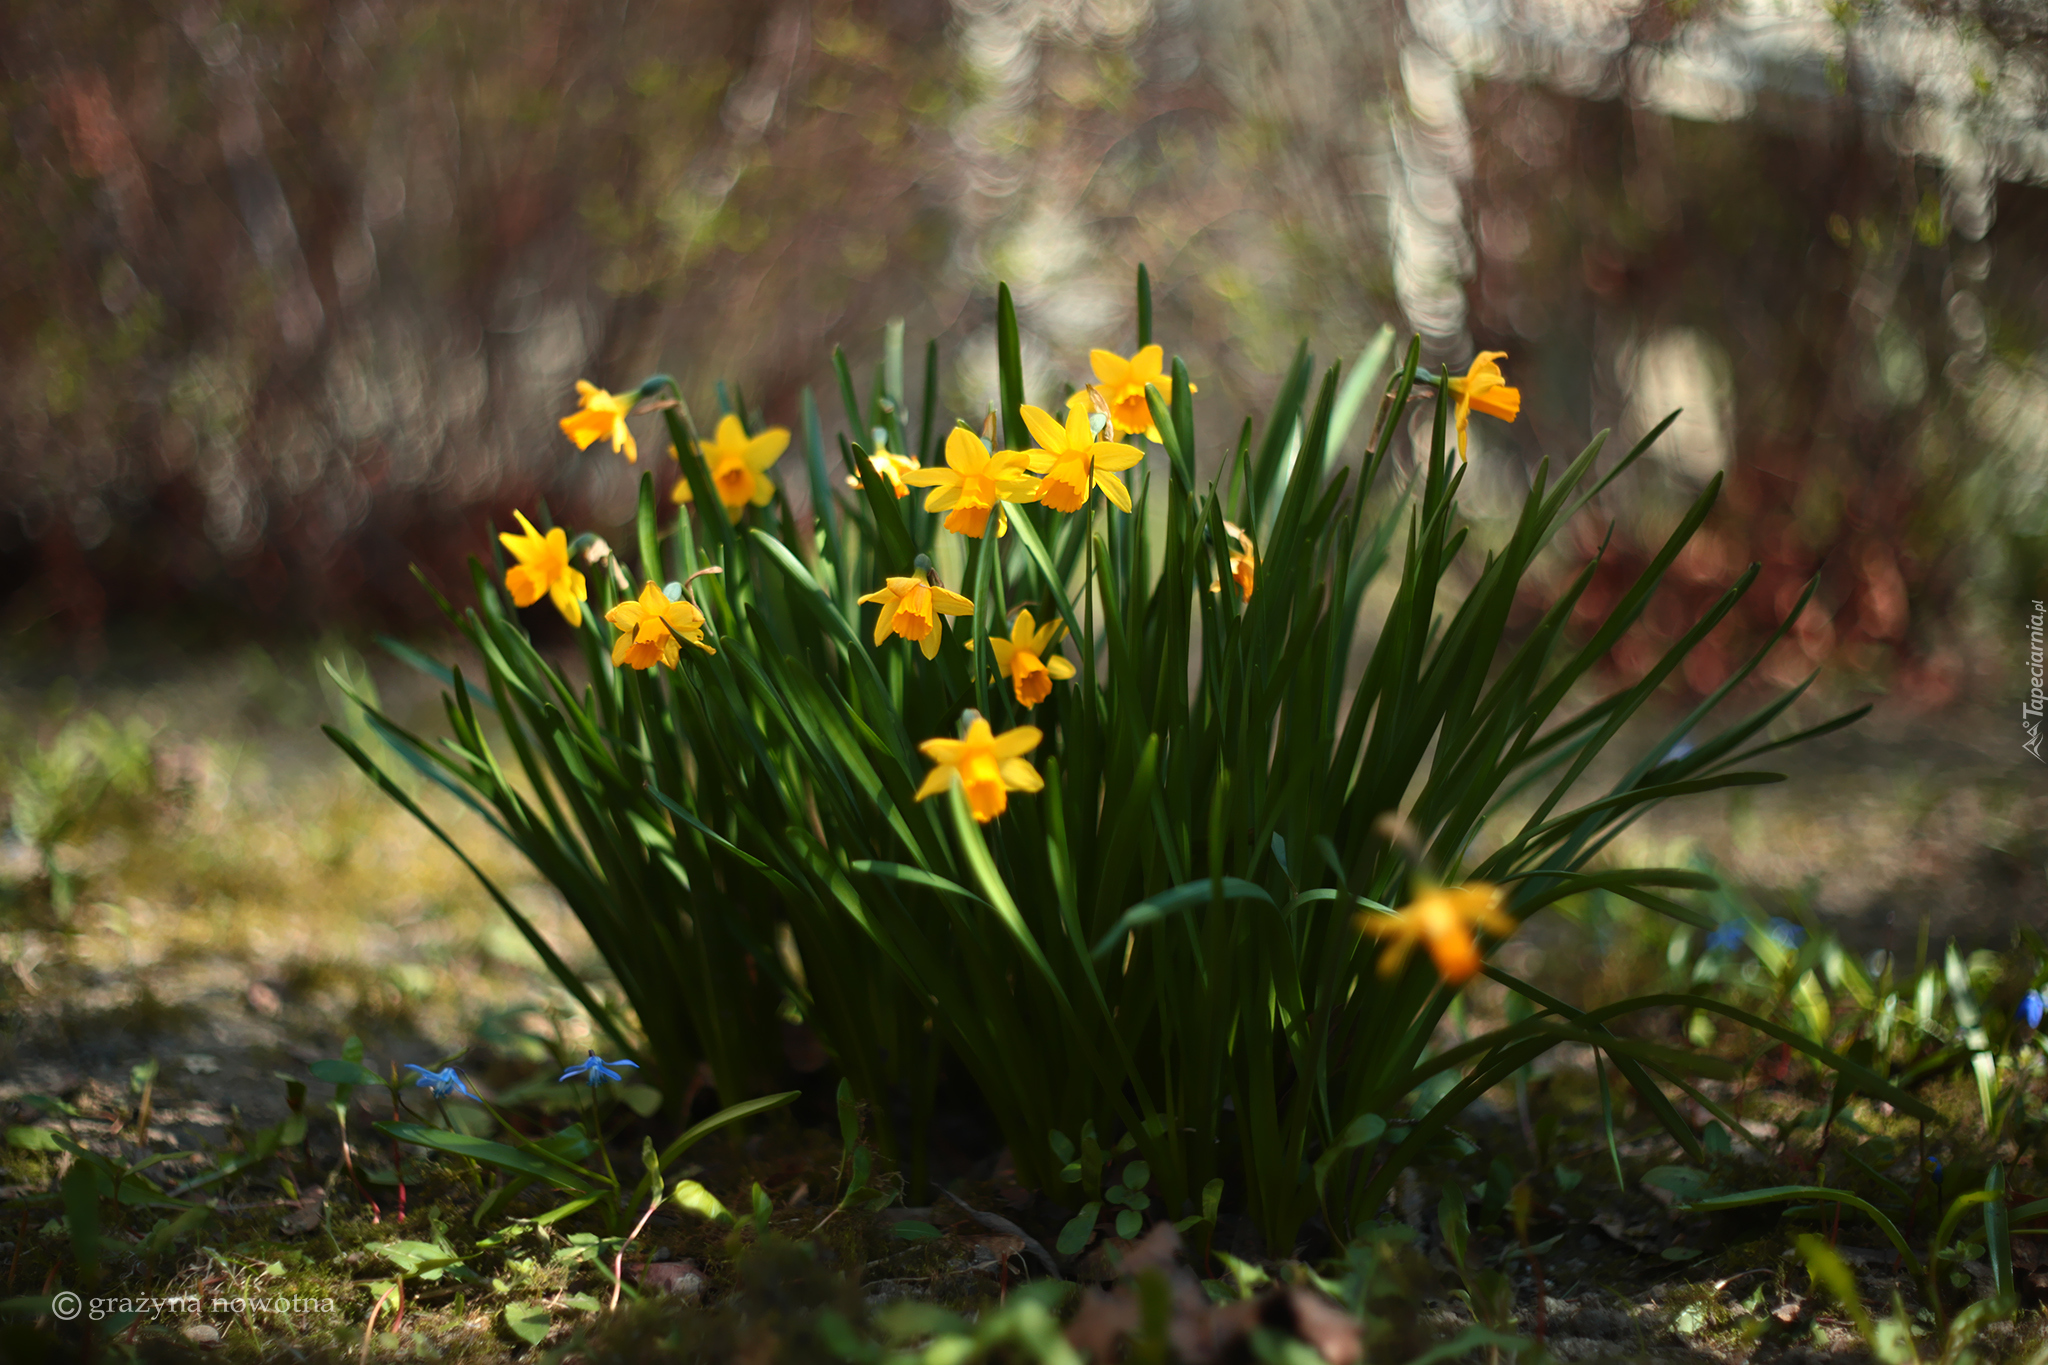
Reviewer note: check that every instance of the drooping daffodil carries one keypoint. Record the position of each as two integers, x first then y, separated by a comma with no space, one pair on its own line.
1122,384
544,570
1244,564
596,1071
988,766
911,607
738,463
1025,658
602,414
1441,919
1071,463
652,628
1484,389
890,467
974,483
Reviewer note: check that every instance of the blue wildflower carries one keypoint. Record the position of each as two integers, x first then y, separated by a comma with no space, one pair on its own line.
1786,932
2032,1007
1727,938
443,1083
596,1070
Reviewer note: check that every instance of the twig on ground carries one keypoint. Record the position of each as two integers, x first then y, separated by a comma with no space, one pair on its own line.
995,1222
370,1328
619,1261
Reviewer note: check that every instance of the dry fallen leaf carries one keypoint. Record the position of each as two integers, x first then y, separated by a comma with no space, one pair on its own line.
1200,1332
680,1278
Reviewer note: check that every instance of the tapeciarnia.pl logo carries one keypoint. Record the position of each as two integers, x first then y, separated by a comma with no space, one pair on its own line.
2037,698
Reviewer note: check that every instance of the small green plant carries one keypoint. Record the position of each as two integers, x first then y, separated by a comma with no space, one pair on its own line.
89,771
1943,1250
1892,1340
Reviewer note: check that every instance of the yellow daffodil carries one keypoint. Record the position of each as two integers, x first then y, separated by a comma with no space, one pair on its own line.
602,414
737,461
1441,919
1072,463
651,630
1123,388
1244,563
989,766
1484,389
543,568
974,483
890,467
911,608
1024,657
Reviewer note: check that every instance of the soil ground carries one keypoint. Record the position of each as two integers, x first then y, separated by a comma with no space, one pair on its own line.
265,904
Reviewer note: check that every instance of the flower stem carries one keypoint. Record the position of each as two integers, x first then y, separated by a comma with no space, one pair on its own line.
597,1136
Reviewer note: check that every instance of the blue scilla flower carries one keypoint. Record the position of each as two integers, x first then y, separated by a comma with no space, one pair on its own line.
443,1083
1727,938
1786,932
596,1070
2032,1008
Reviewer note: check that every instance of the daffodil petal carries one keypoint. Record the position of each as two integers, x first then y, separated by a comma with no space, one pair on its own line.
1113,456
1045,429
964,451
1021,740
946,751
1110,368
1020,776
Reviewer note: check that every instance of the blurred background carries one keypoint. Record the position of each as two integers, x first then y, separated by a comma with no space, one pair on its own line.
296,292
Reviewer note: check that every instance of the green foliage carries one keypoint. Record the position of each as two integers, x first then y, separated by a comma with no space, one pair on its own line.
1162,944
90,771
1892,1340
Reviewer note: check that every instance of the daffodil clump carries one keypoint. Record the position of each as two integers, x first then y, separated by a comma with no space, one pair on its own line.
1117,852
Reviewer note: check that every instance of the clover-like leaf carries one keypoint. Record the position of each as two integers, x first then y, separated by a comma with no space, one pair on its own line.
1080,1229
